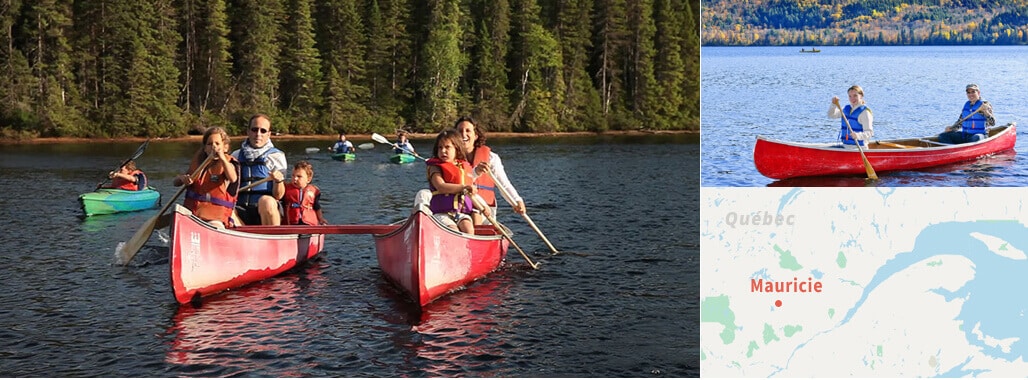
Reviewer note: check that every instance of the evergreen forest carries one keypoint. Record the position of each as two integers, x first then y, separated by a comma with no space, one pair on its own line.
167,68
873,22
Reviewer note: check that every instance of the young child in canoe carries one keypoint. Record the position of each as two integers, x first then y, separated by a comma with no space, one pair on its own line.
127,177
212,196
449,179
302,201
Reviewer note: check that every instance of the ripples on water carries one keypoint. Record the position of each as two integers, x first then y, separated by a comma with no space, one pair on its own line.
912,90
621,301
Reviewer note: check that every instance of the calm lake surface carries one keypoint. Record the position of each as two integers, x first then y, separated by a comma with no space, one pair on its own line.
913,91
620,301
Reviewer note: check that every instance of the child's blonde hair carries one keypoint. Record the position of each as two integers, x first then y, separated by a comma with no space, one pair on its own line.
201,155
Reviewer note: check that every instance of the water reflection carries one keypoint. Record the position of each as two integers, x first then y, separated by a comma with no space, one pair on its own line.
454,335
246,331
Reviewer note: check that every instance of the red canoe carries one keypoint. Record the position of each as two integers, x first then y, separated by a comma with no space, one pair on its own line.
206,260
427,260
779,159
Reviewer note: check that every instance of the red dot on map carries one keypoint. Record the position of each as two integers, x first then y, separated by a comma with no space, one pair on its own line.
778,303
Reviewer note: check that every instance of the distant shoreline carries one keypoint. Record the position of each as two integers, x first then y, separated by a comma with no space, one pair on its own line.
352,137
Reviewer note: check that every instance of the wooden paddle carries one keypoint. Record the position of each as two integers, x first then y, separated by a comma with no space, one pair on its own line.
253,184
480,204
894,145
139,152
125,252
867,164
382,140
506,195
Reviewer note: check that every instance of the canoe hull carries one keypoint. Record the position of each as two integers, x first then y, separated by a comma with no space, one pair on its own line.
205,260
426,260
402,158
110,201
343,156
781,160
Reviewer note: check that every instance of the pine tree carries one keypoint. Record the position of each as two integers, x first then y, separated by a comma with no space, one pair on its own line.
640,84
611,46
442,64
256,52
669,65
388,60
536,68
206,61
487,71
344,51
301,80
581,106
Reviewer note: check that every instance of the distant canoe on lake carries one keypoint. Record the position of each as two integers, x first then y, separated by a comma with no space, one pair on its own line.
813,50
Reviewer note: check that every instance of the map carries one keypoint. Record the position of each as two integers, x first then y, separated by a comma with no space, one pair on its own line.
862,282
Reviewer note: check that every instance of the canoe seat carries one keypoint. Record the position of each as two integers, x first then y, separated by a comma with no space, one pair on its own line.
934,142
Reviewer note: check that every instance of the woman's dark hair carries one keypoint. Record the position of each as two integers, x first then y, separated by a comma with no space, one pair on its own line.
479,131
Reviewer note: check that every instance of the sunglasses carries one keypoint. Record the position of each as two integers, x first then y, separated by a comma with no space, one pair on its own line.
261,130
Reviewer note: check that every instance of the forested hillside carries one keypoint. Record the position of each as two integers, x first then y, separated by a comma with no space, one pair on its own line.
875,22
110,68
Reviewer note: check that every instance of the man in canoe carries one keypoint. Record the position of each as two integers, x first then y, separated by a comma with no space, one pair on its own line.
260,160
856,116
974,121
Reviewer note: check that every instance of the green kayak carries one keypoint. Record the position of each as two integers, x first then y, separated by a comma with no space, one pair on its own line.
110,201
402,158
343,156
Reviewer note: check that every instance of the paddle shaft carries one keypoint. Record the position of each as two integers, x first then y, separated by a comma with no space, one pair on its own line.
139,152
506,195
254,184
480,204
337,229
132,246
867,164
957,124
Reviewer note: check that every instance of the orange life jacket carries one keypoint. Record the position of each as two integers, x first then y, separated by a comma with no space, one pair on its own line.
124,184
209,197
299,204
484,183
452,173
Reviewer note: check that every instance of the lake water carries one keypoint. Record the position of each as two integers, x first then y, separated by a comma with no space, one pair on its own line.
620,301
913,91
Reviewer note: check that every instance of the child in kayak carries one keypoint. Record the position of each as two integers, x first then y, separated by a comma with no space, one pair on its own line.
212,196
449,179
127,177
302,201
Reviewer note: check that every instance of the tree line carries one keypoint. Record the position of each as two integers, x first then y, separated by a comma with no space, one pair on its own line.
162,68
874,22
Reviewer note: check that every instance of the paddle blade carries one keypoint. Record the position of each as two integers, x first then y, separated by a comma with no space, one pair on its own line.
380,139
124,252
366,146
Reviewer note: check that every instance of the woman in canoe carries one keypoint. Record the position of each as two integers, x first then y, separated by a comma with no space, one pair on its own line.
449,179
974,121
858,116
127,177
212,197
482,158
302,200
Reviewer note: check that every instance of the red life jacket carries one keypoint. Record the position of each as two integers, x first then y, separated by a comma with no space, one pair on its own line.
208,197
299,204
484,183
121,183
452,173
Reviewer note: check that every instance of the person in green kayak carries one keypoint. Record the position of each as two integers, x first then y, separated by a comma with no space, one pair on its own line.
403,145
342,145
127,177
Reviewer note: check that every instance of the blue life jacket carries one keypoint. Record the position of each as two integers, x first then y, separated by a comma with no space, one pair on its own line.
976,123
852,115
253,171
